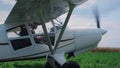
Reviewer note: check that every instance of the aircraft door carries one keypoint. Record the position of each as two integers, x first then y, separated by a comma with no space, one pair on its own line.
19,37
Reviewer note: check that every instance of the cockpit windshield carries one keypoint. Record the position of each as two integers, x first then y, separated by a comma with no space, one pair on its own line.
57,25
38,32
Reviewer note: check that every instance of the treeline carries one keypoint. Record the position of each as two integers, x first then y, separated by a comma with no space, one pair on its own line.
99,49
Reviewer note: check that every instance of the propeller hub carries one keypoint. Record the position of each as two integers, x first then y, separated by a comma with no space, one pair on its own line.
103,31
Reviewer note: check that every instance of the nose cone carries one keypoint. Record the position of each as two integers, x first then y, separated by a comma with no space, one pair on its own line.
103,31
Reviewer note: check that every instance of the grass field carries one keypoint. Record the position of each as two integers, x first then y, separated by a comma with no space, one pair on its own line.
86,60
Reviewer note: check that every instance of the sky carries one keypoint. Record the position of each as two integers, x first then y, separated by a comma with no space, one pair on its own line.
83,17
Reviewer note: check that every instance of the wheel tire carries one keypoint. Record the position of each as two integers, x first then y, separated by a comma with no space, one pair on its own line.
71,64
47,65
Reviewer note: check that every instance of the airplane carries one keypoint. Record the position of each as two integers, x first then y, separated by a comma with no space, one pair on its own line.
51,39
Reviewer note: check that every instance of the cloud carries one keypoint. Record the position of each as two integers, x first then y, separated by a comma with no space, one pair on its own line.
3,16
107,5
3,12
104,6
87,4
12,2
77,21
111,38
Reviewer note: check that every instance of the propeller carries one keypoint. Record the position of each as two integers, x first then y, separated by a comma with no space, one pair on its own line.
97,17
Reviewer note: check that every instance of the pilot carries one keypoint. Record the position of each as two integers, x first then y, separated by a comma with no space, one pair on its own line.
37,38
33,26
23,31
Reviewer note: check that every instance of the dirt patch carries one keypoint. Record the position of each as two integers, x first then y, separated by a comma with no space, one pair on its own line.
106,50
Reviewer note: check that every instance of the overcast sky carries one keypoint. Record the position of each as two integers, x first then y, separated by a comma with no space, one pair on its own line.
83,18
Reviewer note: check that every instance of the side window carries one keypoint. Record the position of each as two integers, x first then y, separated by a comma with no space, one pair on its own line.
18,37
17,31
20,43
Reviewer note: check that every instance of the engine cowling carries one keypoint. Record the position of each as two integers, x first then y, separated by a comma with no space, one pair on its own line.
86,39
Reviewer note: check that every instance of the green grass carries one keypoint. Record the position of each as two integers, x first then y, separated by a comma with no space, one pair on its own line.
86,60
37,63
98,60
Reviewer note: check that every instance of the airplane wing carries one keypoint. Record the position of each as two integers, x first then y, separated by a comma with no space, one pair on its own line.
24,9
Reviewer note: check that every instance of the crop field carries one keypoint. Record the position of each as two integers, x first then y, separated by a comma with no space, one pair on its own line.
86,60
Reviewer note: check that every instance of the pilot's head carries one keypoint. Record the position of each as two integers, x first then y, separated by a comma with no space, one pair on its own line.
34,25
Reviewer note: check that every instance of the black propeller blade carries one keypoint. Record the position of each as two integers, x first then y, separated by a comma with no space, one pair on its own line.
96,14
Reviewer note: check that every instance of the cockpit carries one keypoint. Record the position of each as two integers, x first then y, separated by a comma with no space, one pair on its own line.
27,34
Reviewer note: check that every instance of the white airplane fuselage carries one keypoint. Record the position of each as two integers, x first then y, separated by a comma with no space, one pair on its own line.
74,40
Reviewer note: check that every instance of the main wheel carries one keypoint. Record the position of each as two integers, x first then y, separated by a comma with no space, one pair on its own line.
47,65
71,64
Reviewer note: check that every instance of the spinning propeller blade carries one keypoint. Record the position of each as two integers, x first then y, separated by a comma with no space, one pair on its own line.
97,17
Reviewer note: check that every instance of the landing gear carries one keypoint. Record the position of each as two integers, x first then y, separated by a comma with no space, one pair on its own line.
71,64
51,63
48,65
